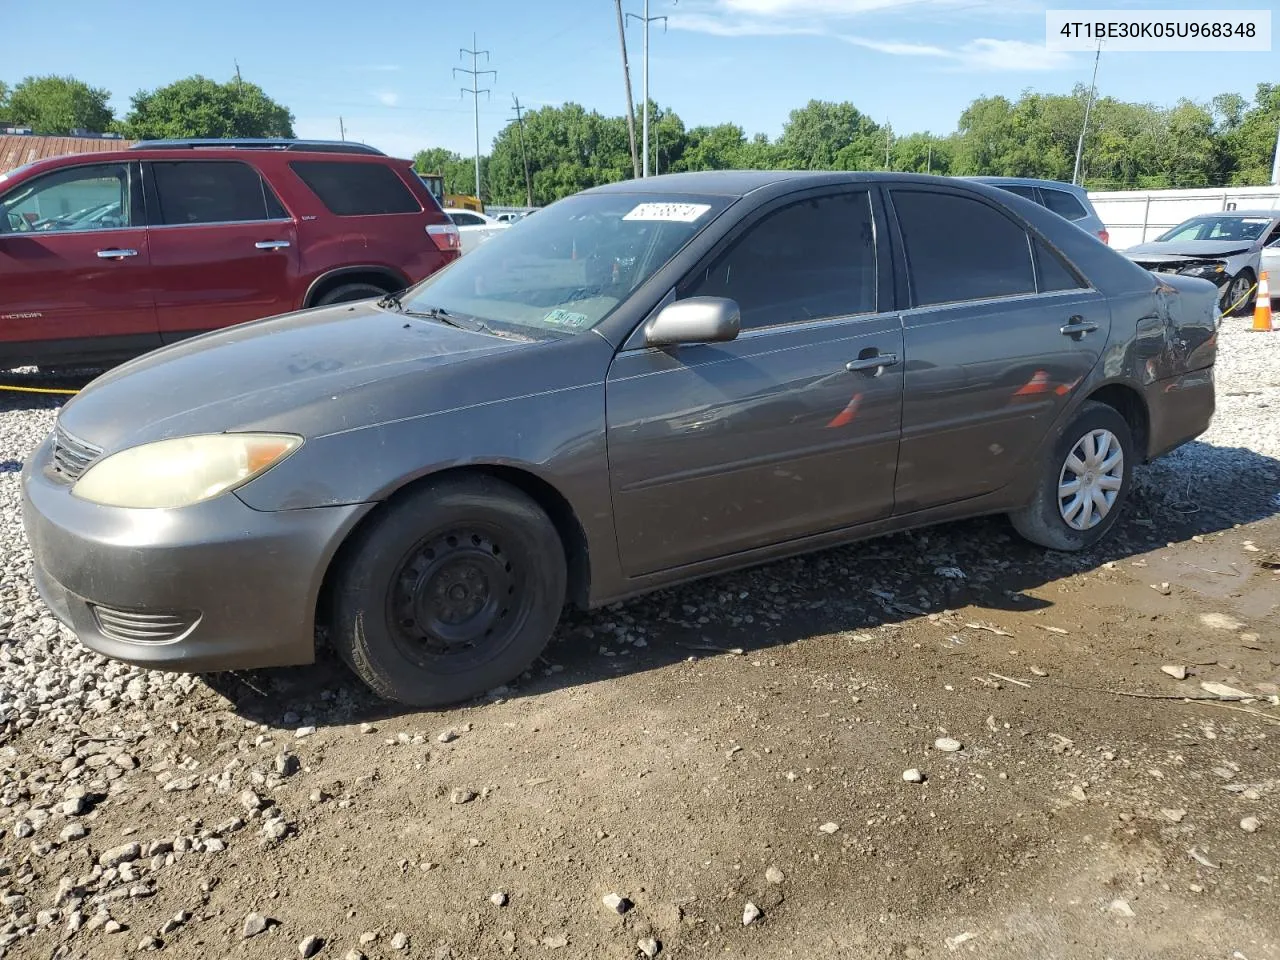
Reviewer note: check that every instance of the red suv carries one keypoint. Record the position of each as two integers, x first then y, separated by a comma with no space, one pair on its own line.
105,256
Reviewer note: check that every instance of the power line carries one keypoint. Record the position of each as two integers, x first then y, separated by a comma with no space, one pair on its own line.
475,92
645,21
528,181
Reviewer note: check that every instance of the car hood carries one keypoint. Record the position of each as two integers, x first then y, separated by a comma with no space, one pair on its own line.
310,372
1186,249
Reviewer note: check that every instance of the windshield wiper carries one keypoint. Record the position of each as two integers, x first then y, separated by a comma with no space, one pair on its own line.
444,316
391,302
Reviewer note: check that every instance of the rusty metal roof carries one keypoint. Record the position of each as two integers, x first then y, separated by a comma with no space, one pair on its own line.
17,149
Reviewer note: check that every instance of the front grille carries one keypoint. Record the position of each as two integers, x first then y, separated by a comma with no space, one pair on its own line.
144,626
72,457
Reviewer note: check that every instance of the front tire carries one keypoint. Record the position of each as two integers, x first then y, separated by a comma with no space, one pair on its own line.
1237,288
350,292
1084,483
449,592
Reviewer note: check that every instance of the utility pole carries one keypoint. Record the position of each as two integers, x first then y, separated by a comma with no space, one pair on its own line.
929,163
528,181
646,20
239,82
342,129
1275,163
1088,106
626,76
474,73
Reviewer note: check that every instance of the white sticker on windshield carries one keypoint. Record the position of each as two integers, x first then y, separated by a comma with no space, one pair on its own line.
671,212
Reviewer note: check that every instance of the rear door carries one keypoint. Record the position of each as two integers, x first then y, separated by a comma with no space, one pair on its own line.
75,267
223,249
1000,332
787,431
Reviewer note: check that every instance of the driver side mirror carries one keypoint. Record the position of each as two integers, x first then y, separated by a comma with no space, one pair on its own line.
695,320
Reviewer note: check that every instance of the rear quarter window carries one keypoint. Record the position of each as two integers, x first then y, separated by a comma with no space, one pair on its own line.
1063,204
350,189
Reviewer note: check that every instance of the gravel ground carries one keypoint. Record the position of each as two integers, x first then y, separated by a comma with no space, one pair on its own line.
939,744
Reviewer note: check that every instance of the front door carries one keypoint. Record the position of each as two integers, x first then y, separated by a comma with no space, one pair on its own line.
1001,332
74,267
789,430
223,249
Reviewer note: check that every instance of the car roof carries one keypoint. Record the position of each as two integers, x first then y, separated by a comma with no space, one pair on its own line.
129,155
1230,214
1028,182
739,183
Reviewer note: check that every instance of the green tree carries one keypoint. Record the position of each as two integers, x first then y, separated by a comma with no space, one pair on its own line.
921,153
1250,147
459,172
200,107
4,100
58,105
823,136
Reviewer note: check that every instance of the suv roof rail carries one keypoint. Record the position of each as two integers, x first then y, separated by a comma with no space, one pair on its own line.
259,143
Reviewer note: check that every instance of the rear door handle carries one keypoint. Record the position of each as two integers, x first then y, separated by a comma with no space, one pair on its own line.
271,244
116,254
1078,327
876,362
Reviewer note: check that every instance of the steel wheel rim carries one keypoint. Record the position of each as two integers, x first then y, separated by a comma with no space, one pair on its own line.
456,600
1091,479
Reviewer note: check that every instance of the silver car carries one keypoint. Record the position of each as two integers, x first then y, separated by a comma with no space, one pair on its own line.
1065,199
1226,248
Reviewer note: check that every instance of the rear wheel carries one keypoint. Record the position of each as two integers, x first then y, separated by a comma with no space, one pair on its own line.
350,291
1084,483
449,592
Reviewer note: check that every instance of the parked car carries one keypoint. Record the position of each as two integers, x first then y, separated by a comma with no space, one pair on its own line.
474,227
1270,264
1224,248
1065,199
104,256
648,382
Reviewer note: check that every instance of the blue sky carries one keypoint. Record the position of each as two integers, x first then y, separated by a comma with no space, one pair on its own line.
386,66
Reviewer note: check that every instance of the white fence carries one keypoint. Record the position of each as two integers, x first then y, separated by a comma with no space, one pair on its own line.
1134,216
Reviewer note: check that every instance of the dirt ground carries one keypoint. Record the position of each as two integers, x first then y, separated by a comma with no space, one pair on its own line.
674,749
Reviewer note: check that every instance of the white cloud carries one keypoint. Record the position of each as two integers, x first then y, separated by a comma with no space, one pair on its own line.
982,54
388,98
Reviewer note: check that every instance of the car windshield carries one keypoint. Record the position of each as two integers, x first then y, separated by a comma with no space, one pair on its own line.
1217,228
566,269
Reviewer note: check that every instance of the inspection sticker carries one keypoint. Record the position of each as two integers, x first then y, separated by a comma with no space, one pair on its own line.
671,212
566,318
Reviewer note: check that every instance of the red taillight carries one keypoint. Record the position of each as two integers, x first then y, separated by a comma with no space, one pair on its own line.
445,235
1104,237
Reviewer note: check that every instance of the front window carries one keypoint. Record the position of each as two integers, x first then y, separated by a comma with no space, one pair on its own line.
570,266
80,198
1244,229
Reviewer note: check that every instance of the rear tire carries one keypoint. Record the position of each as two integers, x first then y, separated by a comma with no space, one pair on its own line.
348,292
1083,484
449,592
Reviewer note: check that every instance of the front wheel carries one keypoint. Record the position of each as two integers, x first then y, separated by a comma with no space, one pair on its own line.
448,592
1084,483
1235,301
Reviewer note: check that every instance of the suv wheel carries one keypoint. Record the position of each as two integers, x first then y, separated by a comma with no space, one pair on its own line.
350,291
1083,484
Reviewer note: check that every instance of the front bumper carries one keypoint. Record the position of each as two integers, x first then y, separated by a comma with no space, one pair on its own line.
215,586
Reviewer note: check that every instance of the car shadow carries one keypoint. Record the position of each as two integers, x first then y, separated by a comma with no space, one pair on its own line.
1199,489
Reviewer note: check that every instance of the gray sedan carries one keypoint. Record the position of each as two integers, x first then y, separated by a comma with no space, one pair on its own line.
1225,248
646,383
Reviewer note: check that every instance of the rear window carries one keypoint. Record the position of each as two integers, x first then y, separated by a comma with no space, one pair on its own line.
349,189
1028,192
1063,204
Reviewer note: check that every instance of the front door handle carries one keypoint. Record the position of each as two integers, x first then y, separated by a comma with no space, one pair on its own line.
116,254
271,244
875,362
1078,327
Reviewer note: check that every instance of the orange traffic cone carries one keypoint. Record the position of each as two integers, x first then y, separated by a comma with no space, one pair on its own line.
1262,305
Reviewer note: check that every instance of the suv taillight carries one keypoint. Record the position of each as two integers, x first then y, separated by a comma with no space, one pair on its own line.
1104,237
445,235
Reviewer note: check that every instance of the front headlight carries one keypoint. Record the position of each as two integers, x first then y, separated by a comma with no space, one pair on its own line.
184,470
1208,271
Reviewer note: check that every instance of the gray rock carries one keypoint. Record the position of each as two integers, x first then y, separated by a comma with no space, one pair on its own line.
354,954
913,776
125,853
310,947
774,875
1250,824
149,943
174,922
447,736
73,831
114,926
948,745
499,899
617,903
399,941
648,946
254,924
250,800
462,795
286,764
750,914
